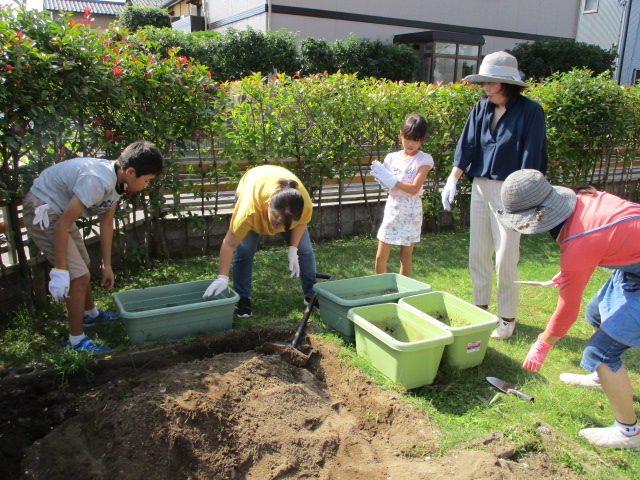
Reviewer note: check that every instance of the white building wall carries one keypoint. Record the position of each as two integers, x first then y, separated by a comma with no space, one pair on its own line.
336,29
631,54
226,8
520,19
603,27
541,17
259,22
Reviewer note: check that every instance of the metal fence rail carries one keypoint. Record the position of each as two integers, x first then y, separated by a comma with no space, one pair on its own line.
221,201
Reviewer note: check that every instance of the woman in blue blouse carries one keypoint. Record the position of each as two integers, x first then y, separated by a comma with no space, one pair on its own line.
505,132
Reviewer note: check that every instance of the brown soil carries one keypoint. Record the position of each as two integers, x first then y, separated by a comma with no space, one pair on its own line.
267,413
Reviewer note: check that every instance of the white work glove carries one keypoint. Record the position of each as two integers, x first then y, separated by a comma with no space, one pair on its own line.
383,176
294,266
219,285
41,216
59,284
449,193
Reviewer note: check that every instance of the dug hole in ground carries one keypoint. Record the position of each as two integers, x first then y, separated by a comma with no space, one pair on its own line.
262,412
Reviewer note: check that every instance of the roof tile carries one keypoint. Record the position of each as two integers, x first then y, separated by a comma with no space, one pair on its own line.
98,7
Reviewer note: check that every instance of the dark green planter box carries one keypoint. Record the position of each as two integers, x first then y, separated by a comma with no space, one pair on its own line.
338,296
174,311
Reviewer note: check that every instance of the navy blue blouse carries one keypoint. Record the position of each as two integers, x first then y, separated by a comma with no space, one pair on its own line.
518,141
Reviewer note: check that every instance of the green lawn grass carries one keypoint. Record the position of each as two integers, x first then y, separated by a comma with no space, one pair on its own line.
461,402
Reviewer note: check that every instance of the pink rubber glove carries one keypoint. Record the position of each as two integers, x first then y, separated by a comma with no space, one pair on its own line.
537,354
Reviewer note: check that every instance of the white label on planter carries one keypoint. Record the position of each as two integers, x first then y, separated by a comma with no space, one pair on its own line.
473,347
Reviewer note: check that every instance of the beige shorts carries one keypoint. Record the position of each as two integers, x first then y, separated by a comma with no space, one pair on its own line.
77,255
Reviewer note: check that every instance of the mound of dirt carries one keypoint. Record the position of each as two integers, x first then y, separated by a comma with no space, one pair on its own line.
265,415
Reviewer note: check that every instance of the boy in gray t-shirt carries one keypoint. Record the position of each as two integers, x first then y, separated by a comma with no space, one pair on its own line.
83,187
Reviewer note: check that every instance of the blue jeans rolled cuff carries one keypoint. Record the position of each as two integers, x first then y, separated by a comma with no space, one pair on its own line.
601,348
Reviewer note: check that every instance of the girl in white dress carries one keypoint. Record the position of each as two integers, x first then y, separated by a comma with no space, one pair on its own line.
403,174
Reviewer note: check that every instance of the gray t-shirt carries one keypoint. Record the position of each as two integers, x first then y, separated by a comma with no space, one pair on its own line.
92,180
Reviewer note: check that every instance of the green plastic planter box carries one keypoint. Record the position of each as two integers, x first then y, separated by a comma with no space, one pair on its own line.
405,346
174,311
337,297
471,326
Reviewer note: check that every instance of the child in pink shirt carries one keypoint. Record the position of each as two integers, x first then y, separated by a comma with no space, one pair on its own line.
593,229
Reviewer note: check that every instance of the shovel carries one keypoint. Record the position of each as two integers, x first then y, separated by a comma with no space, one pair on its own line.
297,338
508,388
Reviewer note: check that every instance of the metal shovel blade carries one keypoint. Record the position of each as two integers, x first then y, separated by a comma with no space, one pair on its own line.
508,388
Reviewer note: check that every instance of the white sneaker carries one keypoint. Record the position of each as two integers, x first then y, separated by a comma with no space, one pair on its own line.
505,330
587,381
611,437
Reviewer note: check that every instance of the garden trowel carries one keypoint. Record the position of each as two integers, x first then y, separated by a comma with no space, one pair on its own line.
508,388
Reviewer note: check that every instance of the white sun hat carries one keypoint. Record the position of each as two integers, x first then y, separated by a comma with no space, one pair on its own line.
498,67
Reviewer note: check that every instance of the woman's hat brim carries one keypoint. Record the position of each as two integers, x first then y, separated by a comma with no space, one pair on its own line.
492,78
555,209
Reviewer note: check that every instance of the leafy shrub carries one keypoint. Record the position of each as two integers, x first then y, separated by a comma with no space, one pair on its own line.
317,56
584,122
243,52
543,58
375,58
135,16
235,54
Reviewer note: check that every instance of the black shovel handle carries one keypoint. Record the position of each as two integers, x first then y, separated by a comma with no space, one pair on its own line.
297,338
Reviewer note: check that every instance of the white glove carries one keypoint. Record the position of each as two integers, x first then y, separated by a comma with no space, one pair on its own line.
59,284
383,176
294,266
449,193
217,286
41,216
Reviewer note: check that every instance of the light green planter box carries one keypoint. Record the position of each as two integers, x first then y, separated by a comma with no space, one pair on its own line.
405,346
338,296
174,311
471,326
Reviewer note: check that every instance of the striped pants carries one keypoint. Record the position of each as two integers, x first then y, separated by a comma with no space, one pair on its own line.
487,236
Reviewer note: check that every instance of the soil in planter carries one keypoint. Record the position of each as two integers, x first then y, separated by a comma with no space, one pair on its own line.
367,294
405,333
455,322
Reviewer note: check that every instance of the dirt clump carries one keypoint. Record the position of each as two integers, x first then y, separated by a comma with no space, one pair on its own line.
264,414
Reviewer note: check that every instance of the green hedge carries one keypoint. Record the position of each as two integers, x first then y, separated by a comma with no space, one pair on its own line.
234,54
545,57
134,17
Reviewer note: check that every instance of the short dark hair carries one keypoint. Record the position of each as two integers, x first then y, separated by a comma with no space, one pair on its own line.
287,203
414,128
509,90
144,157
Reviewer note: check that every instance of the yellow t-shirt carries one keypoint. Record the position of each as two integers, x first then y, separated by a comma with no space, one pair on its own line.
254,191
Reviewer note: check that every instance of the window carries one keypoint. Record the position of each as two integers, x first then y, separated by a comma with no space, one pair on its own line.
444,70
467,67
444,56
590,6
453,61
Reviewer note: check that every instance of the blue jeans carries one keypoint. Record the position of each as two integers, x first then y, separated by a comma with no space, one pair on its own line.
613,311
601,348
243,263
